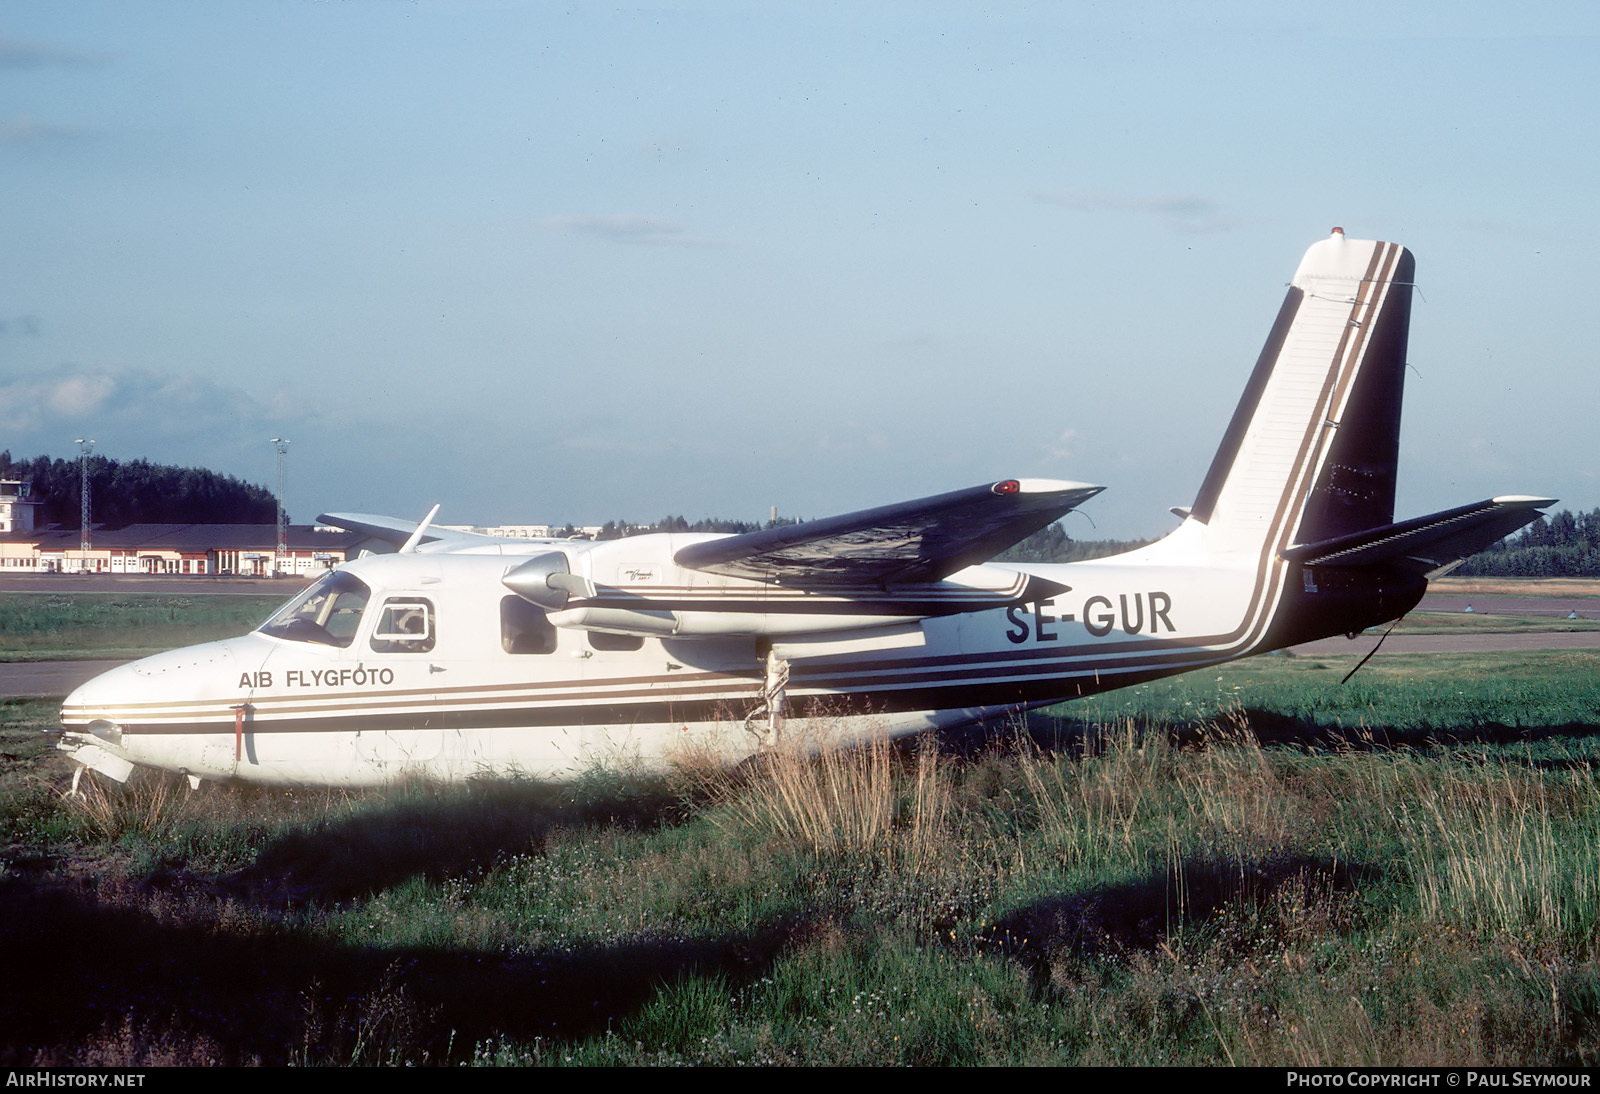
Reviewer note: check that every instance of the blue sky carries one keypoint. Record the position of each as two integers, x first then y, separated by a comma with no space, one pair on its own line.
549,263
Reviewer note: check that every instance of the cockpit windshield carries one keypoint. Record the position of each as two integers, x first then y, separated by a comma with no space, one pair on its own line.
328,612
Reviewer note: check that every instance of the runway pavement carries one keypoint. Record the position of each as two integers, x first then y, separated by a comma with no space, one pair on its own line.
1548,607
48,679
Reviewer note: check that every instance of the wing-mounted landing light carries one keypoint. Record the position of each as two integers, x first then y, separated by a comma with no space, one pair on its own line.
547,581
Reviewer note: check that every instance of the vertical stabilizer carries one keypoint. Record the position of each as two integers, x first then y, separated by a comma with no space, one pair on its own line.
1311,451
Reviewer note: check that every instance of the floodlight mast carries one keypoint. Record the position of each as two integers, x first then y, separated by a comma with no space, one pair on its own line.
282,445
85,446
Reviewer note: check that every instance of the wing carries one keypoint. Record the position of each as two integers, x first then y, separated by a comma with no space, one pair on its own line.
1430,545
913,541
399,532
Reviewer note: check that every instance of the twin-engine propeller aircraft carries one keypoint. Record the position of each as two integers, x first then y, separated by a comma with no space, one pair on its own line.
461,655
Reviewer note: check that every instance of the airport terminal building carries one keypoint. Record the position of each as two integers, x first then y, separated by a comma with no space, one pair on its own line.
246,550
249,550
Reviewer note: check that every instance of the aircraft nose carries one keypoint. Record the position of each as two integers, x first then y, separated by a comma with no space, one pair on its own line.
176,665
127,716
148,689
102,695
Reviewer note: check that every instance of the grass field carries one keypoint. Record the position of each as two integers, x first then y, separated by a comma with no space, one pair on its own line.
55,626
1516,586
1398,698
1251,865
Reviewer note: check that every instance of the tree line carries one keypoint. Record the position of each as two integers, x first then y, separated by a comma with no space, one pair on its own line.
1565,544
1052,544
124,492
621,529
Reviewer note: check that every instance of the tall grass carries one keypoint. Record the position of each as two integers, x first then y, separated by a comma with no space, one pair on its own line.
842,800
1128,891
1508,852
152,807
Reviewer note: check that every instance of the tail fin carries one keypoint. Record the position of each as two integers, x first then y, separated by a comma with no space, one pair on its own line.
1311,451
1304,481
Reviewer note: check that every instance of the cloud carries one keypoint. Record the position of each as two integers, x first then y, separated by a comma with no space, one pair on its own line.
1186,213
627,228
18,54
138,405
23,325
29,130
1063,447
77,397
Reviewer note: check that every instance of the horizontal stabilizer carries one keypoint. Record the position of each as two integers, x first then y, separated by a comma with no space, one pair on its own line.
1429,544
912,541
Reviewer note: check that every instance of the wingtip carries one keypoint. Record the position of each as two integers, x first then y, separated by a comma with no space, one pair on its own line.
1342,258
1055,486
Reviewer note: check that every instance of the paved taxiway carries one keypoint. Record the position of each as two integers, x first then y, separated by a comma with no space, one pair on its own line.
48,679
1537,607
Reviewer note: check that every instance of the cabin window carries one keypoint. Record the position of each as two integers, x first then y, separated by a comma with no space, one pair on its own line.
600,640
327,613
405,625
524,628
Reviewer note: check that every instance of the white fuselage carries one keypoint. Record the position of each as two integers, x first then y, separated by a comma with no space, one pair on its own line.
280,710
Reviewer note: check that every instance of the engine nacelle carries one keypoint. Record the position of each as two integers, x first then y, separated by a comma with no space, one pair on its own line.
633,587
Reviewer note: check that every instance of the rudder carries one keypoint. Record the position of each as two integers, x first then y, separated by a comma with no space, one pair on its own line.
1312,450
